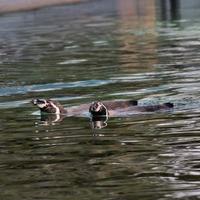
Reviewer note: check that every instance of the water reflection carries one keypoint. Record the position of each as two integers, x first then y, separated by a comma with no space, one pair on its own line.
170,9
137,27
53,119
98,122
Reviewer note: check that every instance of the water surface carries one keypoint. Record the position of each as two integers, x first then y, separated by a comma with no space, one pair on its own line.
100,50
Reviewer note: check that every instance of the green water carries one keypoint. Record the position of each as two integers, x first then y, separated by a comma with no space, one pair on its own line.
84,52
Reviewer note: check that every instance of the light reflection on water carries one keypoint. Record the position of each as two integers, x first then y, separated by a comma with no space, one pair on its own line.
51,86
109,52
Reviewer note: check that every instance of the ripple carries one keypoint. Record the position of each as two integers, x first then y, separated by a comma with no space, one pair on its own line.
141,77
6,91
100,43
72,47
15,104
141,91
73,61
99,24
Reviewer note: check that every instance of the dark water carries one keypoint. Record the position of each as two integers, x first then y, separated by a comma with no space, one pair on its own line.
101,50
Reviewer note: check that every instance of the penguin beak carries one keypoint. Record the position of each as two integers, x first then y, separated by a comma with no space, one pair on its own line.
34,101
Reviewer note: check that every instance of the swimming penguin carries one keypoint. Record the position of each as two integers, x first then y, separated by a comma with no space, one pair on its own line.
99,109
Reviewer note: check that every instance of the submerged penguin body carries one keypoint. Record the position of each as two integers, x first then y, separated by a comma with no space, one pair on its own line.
100,109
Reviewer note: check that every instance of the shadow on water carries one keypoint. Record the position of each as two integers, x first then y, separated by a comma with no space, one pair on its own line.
101,50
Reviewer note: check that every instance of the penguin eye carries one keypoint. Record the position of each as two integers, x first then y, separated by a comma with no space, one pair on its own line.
42,104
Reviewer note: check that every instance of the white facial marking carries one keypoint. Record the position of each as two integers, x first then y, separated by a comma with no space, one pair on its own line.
99,107
57,109
42,105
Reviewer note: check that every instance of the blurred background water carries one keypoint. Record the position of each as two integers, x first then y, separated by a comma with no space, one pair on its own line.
102,49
